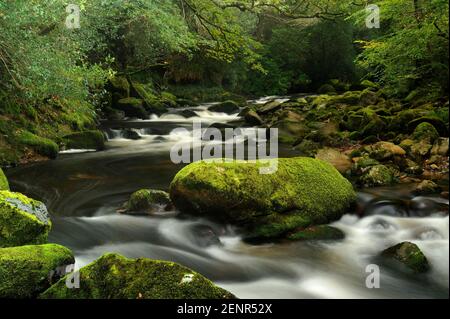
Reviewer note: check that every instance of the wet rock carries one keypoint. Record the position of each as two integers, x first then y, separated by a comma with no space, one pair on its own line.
409,255
187,113
205,236
326,89
115,277
4,185
229,107
147,202
302,192
27,271
322,232
427,187
85,140
339,160
131,135
23,221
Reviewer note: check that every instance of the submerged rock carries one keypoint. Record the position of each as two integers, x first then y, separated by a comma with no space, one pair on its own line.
27,271
301,193
322,232
85,140
23,221
115,277
147,202
409,255
4,185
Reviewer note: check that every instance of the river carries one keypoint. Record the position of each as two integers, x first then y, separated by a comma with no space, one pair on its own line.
84,189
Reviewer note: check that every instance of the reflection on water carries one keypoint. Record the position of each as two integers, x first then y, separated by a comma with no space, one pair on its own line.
84,190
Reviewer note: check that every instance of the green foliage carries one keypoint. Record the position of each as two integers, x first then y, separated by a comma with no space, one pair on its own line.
412,49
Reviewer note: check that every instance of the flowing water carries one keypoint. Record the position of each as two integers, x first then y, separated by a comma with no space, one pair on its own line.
83,190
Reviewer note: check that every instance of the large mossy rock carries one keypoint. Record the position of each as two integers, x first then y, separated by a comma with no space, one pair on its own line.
116,277
42,146
4,185
94,140
302,192
23,221
409,255
27,271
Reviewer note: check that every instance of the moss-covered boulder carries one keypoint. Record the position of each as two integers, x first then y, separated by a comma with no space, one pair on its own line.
27,271
252,118
440,147
40,145
116,277
4,185
132,107
409,255
321,232
302,192
147,202
425,131
229,107
94,140
23,221
378,175
326,89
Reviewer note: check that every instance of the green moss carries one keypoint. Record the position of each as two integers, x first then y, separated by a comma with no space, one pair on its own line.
378,175
326,89
370,85
22,220
322,232
4,185
152,102
40,145
116,277
27,271
121,86
85,140
301,190
148,201
132,107
425,131
409,255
